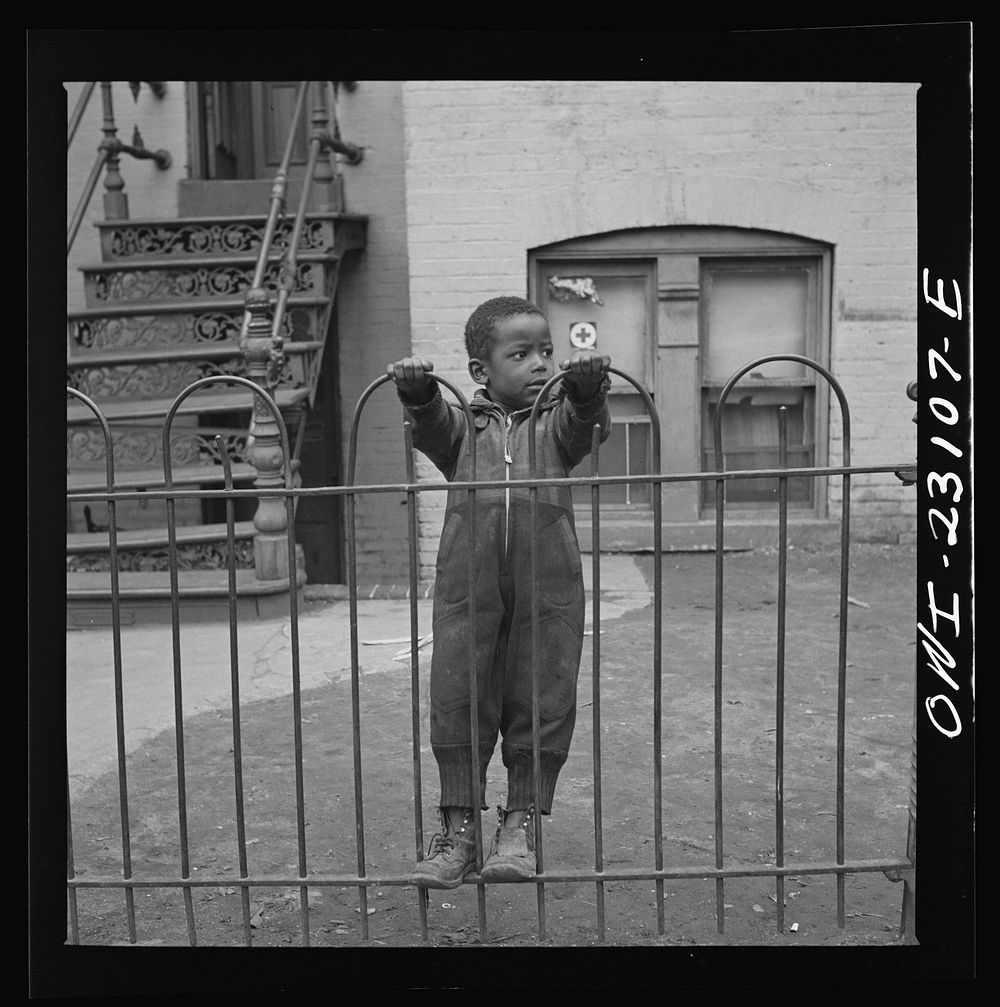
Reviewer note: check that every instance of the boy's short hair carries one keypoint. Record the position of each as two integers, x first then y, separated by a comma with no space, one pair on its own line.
481,329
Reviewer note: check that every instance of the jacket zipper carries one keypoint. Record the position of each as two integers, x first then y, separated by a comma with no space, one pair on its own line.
508,461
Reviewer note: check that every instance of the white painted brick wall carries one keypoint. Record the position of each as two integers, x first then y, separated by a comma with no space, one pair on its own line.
374,320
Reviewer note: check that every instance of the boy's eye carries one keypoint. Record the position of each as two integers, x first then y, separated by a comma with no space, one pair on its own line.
547,352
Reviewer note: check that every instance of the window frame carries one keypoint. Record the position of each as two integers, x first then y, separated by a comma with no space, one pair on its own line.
677,253
815,412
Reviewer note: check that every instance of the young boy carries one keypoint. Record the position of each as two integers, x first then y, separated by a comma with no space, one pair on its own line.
510,355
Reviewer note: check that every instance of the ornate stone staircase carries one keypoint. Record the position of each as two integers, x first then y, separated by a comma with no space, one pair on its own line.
164,308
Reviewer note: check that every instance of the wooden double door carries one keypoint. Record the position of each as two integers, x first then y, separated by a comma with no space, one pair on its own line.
242,127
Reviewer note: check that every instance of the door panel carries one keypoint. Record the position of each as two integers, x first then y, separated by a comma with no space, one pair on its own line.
607,307
243,127
273,105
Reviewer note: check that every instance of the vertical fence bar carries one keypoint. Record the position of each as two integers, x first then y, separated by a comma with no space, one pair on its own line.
535,649
234,687
657,488
74,919
293,634
116,641
720,498
628,463
116,630
411,527
475,768
845,546
175,620
779,713
535,645
359,820
595,546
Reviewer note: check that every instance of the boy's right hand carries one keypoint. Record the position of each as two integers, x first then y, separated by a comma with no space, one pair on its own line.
413,378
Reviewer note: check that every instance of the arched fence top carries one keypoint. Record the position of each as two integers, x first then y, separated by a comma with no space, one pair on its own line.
771,358
352,454
233,379
647,399
228,379
109,453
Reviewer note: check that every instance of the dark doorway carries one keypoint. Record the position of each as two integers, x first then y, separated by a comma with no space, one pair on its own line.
242,127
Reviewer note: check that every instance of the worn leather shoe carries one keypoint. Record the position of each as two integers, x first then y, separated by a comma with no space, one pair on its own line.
512,851
450,856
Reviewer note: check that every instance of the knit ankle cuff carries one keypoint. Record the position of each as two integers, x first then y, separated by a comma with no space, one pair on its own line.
521,782
455,771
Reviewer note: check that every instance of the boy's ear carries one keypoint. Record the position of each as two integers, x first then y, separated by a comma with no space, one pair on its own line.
477,369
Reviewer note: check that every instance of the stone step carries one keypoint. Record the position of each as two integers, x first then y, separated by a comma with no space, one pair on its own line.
180,305
217,235
150,263
82,359
94,481
201,402
158,281
131,376
155,538
156,584
202,595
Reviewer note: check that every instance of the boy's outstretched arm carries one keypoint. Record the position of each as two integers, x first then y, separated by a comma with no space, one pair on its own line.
437,426
586,380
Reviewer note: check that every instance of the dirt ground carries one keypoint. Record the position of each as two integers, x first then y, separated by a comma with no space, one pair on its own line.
878,757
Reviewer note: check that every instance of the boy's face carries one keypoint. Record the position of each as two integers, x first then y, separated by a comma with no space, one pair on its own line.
519,361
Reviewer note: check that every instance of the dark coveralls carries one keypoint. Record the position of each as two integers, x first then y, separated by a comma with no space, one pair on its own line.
564,429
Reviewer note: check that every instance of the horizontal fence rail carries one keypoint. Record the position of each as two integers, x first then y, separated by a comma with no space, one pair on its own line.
365,878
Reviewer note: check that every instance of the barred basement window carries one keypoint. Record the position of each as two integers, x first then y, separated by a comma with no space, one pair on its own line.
753,308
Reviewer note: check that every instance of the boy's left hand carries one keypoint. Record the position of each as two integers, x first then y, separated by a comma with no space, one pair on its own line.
586,372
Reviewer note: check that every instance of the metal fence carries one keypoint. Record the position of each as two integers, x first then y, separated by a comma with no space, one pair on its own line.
303,879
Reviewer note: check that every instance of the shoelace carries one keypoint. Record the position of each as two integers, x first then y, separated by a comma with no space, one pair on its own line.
440,844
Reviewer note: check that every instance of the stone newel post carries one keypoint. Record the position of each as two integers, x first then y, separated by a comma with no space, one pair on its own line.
265,452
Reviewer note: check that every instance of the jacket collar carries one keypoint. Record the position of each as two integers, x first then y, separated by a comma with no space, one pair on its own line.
483,406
